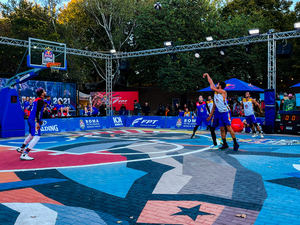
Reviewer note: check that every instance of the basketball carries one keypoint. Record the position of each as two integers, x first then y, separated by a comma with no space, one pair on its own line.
237,125
157,6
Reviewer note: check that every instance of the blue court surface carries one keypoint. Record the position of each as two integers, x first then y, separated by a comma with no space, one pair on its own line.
150,176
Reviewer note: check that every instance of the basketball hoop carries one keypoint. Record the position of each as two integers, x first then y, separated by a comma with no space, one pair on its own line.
54,66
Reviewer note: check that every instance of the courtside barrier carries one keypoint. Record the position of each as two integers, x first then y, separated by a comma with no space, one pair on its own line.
57,125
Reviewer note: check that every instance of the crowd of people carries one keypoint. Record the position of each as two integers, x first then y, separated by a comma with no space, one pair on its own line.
50,110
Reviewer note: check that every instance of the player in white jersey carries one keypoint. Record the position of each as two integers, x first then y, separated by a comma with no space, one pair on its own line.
220,100
210,103
247,104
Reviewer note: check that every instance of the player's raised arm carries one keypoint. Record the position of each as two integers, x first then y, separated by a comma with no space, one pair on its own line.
212,85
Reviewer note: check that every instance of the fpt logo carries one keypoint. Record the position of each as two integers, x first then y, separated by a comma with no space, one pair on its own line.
145,122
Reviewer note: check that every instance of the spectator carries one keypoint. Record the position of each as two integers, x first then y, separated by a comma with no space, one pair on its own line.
146,109
187,113
262,105
167,112
137,108
47,111
88,110
176,109
181,113
289,104
281,104
185,107
102,109
61,109
123,111
28,108
161,110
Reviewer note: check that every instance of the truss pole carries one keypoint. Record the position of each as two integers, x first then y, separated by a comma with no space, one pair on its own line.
109,78
271,62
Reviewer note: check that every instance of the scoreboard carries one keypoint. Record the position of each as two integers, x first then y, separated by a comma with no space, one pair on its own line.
289,122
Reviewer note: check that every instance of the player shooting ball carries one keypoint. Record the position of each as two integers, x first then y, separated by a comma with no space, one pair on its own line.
220,99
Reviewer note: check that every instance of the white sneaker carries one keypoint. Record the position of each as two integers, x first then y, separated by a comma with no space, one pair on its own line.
26,157
261,135
214,147
20,150
254,135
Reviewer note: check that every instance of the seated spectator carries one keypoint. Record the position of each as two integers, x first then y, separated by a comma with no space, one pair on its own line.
123,111
181,113
28,108
61,109
146,109
187,113
88,110
47,111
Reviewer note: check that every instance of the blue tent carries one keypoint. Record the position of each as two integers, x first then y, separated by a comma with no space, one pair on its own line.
296,85
234,84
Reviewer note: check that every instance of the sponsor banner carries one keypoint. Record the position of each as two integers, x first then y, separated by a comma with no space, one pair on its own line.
119,98
146,121
185,123
117,121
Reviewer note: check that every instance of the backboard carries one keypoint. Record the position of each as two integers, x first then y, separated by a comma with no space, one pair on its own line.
46,54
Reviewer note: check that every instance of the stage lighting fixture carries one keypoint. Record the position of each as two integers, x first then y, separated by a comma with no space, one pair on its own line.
297,25
113,51
197,55
254,31
168,43
222,52
210,38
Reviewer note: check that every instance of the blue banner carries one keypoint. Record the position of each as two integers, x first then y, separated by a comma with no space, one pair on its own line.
94,123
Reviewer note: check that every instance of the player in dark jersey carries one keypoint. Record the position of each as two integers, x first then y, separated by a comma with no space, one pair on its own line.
202,114
34,123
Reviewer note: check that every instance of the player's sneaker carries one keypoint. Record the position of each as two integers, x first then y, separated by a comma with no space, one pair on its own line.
20,150
26,157
214,147
224,147
236,147
261,135
192,136
254,135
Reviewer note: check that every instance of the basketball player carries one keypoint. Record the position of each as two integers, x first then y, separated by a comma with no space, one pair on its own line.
202,114
247,104
210,103
220,100
34,123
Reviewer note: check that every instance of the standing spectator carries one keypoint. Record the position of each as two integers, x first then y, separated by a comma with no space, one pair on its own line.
262,105
167,112
137,108
102,109
187,113
176,109
146,109
281,104
28,108
181,113
185,107
161,110
289,104
123,111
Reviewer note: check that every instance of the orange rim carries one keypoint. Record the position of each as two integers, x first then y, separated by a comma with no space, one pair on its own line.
53,64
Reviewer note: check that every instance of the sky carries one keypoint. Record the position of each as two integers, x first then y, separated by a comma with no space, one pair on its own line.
66,1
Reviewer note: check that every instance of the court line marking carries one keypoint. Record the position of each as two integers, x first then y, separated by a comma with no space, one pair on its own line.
112,163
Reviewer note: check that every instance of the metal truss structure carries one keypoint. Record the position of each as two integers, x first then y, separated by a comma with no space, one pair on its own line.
271,38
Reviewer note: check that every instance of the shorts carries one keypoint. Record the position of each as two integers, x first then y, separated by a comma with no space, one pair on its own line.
251,119
201,121
224,119
32,129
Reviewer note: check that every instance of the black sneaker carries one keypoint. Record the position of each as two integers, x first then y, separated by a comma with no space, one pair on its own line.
192,136
224,147
236,147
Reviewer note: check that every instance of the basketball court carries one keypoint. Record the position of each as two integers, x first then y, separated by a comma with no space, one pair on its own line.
150,176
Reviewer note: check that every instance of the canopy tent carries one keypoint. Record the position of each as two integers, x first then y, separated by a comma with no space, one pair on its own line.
296,85
235,84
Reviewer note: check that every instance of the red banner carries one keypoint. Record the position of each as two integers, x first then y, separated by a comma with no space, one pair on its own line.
119,98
